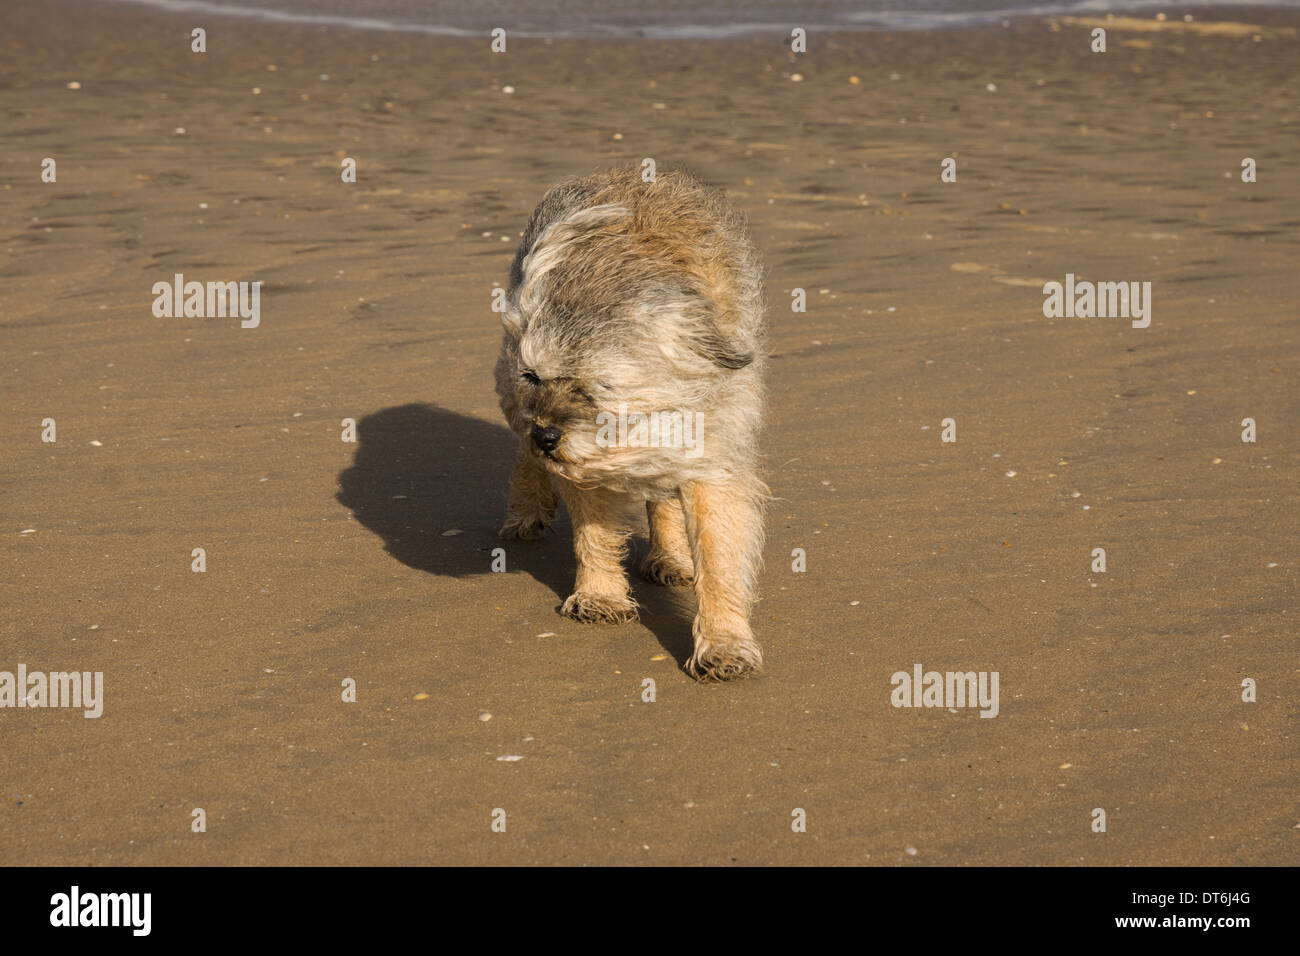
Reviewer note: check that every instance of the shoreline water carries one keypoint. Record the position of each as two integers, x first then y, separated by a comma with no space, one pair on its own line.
721,25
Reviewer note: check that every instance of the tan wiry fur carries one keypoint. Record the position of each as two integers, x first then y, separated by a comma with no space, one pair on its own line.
645,296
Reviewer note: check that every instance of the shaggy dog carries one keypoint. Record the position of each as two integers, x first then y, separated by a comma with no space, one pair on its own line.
632,370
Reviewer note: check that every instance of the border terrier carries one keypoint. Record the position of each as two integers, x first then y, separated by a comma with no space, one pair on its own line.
632,371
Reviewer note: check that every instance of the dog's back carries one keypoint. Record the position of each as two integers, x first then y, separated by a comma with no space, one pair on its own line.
609,239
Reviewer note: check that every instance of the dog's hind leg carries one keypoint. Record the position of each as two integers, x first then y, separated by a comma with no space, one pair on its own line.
530,500
669,561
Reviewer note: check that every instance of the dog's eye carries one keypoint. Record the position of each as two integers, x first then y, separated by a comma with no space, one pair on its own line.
529,376
583,394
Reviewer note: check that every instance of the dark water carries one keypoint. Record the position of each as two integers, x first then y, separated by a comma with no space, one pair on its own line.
670,18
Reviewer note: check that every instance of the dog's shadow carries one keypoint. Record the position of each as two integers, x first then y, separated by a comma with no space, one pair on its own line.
421,471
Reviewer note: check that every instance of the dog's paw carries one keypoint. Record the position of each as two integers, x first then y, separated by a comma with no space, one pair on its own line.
524,527
724,658
667,570
599,608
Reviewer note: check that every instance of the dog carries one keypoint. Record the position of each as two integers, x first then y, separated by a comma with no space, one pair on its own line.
634,310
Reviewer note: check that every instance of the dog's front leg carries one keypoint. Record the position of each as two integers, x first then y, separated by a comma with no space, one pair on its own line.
600,593
725,527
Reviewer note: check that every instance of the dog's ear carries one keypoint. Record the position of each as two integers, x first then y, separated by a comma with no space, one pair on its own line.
711,344
674,306
512,320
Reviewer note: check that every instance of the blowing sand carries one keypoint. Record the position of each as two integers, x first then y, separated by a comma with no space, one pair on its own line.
371,561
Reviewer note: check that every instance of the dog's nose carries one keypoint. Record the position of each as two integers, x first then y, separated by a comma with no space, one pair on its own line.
546,438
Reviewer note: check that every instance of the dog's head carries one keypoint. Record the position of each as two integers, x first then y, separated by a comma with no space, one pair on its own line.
567,382
597,333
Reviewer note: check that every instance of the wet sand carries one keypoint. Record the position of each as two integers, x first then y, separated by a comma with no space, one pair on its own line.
328,560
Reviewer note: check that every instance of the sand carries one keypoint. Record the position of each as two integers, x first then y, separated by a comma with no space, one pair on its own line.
328,561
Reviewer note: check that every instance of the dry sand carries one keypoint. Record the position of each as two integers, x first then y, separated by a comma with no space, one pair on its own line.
328,560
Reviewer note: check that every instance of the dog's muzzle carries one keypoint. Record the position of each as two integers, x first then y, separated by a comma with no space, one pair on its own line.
547,439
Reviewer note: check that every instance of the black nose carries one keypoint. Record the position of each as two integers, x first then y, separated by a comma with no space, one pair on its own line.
546,438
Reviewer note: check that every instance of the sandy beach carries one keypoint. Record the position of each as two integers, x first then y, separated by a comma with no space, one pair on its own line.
371,561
